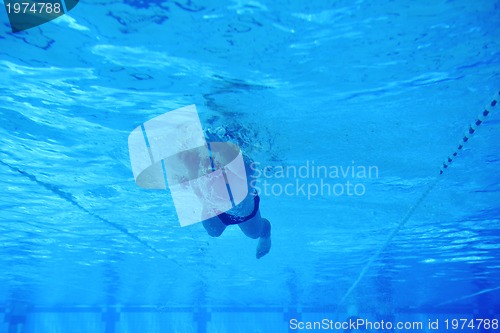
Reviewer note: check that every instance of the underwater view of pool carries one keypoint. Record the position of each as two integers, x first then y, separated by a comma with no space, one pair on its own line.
369,129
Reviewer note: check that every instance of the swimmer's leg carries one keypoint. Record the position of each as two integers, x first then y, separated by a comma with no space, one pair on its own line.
214,226
265,239
258,228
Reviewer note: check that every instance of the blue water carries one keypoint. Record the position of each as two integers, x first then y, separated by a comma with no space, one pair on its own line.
387,84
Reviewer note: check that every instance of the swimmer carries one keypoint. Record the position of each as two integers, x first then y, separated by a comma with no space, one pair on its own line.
246,214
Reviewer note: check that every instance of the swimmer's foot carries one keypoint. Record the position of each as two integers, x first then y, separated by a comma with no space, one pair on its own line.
263,247
265,240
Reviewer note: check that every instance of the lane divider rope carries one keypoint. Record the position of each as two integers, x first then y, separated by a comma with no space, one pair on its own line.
467,136
69,198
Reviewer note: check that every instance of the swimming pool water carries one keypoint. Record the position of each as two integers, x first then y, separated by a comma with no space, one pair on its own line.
337,84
